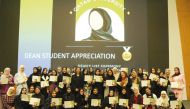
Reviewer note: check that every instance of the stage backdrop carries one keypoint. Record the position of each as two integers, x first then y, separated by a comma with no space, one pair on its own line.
93,33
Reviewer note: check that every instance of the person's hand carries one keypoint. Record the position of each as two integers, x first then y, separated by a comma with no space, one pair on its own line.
76,89
13,108
53,104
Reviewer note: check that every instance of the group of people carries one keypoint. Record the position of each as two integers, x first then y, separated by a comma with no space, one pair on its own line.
91,88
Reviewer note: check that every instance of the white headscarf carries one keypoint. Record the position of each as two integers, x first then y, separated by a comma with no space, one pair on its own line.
163,101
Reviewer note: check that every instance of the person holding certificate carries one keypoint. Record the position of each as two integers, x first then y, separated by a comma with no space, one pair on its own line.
110,102
8,99
124,82
44,78
6,81
20,79
135,79
65,79
69,99
98,83
145,82
33,78
77,80
124,96
52,81
154,81
136,98
38,95
178,78
163,101
95,100
163,82
50,104
110,77
20,101
81,99
140,73
150,98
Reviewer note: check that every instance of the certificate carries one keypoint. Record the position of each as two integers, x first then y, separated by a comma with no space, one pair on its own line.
113,100
110,82
95,102
145,83
174,104
4,80
69,104
146,101
175,85
153,76
36,78
163,81
145,73
88,78
123,102
56,101
134,85
67,79
53,78
61,85
98,78
137,106
34,101
44,83
25,97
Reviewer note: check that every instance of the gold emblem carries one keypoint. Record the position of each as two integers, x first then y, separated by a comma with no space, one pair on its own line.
126,56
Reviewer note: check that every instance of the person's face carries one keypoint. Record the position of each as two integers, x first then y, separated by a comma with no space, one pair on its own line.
153,71
145,77
24,91
45,71
134,74
54,72
109,72
59,69
163,95
85,71
64,70
68,90
97,72
35,70
37,90
167,71
68,70
124,91
148,91
140,70
111,93
81,92
78,70
91,69
161,74
53,94
123,75
31,89
136,91
95,91
22,69
176,71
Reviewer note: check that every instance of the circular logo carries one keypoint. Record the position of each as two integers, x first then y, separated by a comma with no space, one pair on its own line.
126,56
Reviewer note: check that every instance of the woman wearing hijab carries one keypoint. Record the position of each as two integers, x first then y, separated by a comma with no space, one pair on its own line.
143,88
38,95
44,77
163,101
69,96
98,85
179,78
101,29
154,81
8,99
124,95
106,102
52,84
81,100
110,76
10,81
30,81
95,96
65,82
19,104
77,81
20,79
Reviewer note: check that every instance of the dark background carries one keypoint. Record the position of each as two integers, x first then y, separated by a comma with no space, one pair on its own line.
146,29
